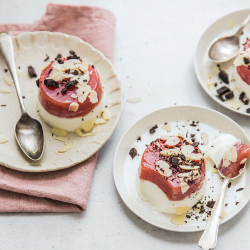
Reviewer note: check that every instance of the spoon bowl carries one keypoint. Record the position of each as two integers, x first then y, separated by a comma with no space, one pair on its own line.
29,135
228,47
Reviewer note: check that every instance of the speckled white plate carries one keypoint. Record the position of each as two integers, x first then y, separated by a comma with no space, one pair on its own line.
126,170
226,25
31,49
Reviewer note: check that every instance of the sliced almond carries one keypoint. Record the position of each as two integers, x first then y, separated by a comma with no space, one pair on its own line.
8,80
195,157
223,214
164,137
184,187
59,132
172,141
74,96
73,106
182,210
18,72
205,138
57,76
100,121
93,132
227,159
187,167
178,220
64,149
166,127
58,67
3,139
172,151
163,168
214,170
59,138
88,125
134,99
78,132
5,90
82,93
84,66
235,103
230,25
70,64
243,161
187,150
233,153
66,75
83,79
106,114
93,96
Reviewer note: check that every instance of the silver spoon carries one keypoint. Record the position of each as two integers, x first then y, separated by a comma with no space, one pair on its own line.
228,47
208,239
28,131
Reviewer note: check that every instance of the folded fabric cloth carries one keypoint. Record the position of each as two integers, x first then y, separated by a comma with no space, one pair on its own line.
64,190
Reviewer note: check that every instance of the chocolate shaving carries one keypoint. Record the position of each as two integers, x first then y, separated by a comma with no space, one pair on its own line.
175,162
32,71
183,157
73,57
139,138
37,82
223,75
242,96
246,60
237,202
240,189
195,144
229,184
58,56
223,90
152,130
5,70
246,102
133,153
60,61
229,95
248,111
76,72
70,84
72,52
51,83
47,58
210,204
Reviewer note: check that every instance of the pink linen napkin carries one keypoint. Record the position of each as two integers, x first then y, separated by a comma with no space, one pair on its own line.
64,190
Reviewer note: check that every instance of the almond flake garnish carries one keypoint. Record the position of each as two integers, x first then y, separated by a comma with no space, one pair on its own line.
227,159
172,141
188,167
70,64
187,150
59,132
243,161
195,157
182,210
93,132
173,151
3,139
78,132
73,106
59,138
58,67
83,92
100,121
106,114
223,214
5,90
134,99
64,149
57,76
84,66
7,80
164,137
205,138
93,96
184,187
166,127
18,72
235,103
74,96
88,125
233,153
178,220
163,168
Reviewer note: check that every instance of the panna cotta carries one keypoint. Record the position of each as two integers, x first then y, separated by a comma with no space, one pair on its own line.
242,70
70,95
229,154
172,174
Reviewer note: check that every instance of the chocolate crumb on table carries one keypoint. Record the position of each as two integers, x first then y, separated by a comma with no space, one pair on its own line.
210,204
223,75
237,202
6,70
240,189
47,58
32,71
223,90
242,96
133,153
229,184
229,95
139,138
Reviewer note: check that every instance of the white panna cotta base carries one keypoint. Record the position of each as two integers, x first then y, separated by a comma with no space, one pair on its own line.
69,124
152,193
240,84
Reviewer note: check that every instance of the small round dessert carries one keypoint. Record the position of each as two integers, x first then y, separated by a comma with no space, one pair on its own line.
172,174
242,70
229,154
70,94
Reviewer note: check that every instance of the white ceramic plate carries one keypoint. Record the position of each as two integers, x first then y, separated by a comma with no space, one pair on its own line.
201,61
31,49
126,170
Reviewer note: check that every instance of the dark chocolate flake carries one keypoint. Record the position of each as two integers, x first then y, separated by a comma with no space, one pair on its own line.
133,153
72,52
229,184
223,75
240,189
242,96
246,60
51,83
223,90
60,61
248,111
246,102
47,58
229,95
58,56
210,204
152,130
37,82
32,71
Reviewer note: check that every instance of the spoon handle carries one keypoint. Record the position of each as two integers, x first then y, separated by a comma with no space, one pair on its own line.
208,239
6,48
243,25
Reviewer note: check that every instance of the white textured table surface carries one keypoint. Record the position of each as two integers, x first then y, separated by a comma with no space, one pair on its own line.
154,50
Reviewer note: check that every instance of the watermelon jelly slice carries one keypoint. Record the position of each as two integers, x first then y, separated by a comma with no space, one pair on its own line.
233,161
175,165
